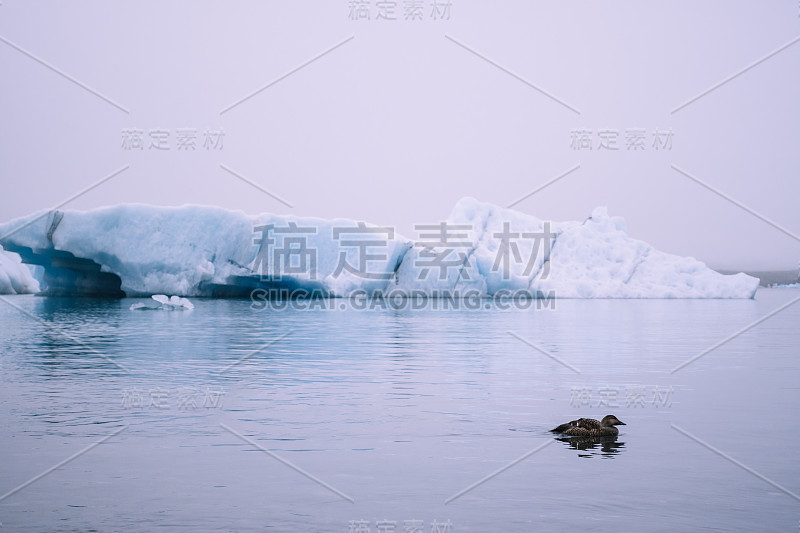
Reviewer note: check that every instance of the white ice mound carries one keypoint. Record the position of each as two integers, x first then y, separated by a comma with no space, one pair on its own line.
174,302
482,249
167,303
140,250
507,251
15,278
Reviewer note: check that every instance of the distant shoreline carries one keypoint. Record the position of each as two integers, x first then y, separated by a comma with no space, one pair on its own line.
769,277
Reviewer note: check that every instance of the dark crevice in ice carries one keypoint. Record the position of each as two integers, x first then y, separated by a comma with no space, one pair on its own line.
67,275
268,287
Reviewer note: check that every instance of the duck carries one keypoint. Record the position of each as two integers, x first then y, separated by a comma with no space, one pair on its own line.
589,427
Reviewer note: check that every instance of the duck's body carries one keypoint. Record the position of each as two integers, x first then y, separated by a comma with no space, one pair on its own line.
589,427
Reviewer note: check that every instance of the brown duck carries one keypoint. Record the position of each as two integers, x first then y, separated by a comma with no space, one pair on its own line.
589,427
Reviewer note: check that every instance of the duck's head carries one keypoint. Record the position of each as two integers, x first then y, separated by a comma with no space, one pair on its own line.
611,420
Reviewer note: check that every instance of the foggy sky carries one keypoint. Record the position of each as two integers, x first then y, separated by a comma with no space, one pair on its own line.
395,120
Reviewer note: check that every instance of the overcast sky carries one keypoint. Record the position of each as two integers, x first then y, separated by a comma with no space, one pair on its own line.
392,121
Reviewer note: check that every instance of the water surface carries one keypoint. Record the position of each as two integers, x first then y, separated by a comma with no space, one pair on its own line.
400,411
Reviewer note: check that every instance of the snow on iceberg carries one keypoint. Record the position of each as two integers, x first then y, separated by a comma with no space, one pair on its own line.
15,278
140,250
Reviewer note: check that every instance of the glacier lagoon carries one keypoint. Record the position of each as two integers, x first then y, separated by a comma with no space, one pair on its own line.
399,411
415,392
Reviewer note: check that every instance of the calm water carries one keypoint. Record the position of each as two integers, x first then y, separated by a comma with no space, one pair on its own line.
400,411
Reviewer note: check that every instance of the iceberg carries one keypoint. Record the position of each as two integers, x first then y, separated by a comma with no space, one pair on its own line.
165,303
512,251
202,251
15,278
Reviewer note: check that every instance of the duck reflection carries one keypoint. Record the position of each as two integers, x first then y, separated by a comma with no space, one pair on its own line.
608,446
